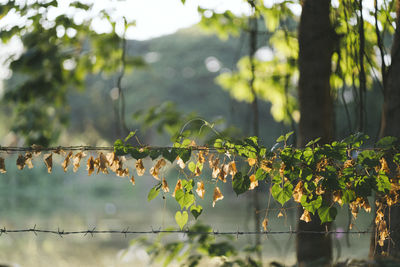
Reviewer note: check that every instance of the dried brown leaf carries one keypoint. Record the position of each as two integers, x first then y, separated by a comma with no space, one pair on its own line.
90,165
133,180
164,186
155,170
48,161
217,195
140,169
21,162
180,163
2,166
28,160
232,168
306,216
66,161
200,189
76,160
178,186
251,161
253,182
103,162
265,224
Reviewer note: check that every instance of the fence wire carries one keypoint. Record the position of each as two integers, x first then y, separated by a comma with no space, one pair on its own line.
126,232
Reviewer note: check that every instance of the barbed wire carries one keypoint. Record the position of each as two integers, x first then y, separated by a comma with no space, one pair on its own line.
92,148
126,231
111,148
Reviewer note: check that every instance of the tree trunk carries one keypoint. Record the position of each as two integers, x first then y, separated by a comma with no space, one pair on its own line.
316,43
390,126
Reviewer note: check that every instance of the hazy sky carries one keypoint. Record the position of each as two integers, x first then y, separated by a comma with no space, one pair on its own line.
158,17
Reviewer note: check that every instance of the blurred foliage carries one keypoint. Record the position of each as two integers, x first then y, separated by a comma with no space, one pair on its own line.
198,248
58,54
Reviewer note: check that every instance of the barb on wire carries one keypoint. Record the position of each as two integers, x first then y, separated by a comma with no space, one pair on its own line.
126,231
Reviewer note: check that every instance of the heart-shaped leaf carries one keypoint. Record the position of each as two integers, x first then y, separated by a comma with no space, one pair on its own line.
184,199
181,218
196,211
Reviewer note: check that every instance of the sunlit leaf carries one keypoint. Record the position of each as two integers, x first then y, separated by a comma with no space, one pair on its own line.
181,218
153,193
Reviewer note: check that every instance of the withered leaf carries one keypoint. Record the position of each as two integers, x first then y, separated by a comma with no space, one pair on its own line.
306,216
133,180
48,161
180,163
253,182
164,186
251,161
103,162
2,166
265,224
66,161
20,162
232,169
28,160
155,170
139,167
200,189
76,160
217,195
201,157
178,186
90,165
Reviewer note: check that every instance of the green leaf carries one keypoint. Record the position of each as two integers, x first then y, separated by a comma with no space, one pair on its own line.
240,183
153,192
196,211
382,182
313,142
260,174
155,153
282,195
348,196
181,218
280,139
185,154
192,166
327,213
184,199
137,154
188,184
183,1
311,206
386,142
169,155
130,135
119,147
288,135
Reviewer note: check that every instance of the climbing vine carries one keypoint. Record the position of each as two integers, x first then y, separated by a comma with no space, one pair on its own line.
318,177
